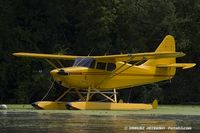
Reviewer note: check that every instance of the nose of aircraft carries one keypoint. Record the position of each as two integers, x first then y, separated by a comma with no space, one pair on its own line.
54,72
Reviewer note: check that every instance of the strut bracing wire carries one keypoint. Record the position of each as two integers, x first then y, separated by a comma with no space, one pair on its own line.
48,91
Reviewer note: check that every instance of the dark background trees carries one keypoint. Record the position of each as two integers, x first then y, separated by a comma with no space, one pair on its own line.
109,26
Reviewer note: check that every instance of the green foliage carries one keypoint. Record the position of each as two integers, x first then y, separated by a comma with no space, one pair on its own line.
108,27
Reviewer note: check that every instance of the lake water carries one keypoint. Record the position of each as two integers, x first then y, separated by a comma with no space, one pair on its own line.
62,122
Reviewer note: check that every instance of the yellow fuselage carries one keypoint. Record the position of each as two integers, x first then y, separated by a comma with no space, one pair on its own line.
128,76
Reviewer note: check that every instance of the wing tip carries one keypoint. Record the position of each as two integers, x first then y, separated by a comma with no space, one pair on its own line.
190,65
18,54
14,54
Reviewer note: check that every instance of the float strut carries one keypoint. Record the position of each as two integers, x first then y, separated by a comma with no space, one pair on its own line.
115,95
88,95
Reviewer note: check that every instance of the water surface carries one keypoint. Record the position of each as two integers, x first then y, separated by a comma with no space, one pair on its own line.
53,121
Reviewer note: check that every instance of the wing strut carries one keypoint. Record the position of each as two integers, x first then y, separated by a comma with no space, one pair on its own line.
59,63
51,63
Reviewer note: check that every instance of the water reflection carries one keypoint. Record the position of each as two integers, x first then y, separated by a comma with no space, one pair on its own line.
24,122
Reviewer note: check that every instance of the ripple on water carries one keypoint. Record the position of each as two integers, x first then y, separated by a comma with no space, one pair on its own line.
24,122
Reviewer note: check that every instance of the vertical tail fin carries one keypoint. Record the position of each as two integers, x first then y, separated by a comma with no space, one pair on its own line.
167,45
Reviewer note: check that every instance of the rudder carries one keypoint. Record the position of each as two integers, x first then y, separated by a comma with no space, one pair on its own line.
167,45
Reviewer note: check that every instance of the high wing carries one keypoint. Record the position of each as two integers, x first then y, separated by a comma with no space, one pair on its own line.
107,58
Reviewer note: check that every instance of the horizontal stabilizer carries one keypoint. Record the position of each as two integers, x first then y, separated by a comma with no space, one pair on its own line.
181,65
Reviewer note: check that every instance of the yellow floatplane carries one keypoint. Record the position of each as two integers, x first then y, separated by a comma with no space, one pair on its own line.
106,74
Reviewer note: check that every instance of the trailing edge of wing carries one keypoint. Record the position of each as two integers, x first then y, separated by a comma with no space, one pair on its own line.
107,58
181,65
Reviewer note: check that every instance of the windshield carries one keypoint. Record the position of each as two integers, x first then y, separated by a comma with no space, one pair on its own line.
85,62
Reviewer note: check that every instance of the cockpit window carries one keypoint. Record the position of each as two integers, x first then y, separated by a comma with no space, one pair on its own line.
101,65
84,62
111,66
92,65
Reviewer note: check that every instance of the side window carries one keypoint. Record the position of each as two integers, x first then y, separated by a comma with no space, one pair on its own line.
111,66
92,65
101,65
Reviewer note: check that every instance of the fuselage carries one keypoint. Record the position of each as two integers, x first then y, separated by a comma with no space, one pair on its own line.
118,75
